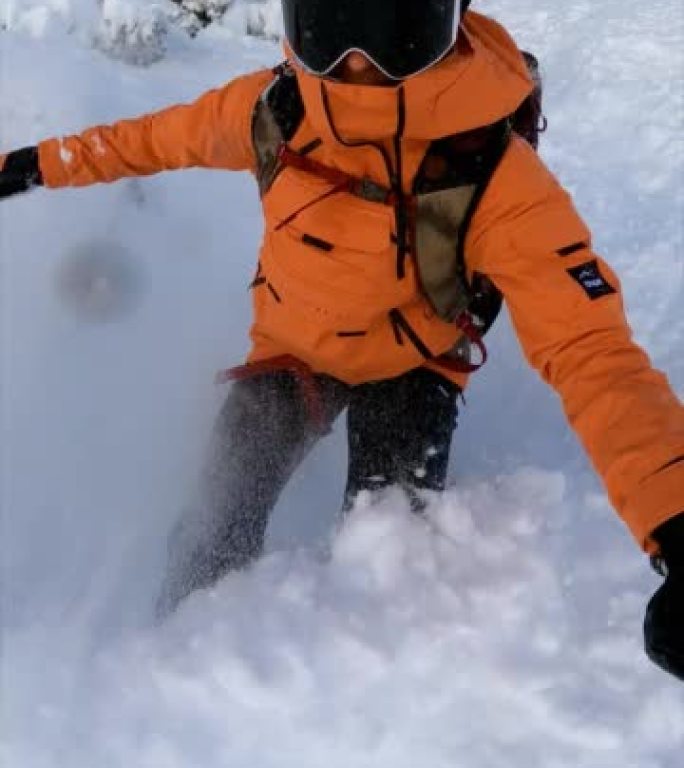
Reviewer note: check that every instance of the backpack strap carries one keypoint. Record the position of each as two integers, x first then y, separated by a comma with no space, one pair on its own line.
449,186
277,116
364,188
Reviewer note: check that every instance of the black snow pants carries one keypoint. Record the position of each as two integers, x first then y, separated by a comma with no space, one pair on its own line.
399,433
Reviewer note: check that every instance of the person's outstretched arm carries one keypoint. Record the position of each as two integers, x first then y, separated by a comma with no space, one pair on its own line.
212,132
567,310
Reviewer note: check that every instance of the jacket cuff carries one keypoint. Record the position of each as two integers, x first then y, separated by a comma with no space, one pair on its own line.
656,500
52,161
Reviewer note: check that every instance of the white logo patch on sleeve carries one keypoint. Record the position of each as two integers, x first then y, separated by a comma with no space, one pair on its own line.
589,277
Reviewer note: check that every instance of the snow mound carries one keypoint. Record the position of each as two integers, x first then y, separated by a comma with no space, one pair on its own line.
448,641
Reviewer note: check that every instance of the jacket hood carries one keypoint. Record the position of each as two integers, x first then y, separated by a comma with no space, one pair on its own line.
483,80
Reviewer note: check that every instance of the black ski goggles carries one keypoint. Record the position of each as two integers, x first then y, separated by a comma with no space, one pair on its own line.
401,37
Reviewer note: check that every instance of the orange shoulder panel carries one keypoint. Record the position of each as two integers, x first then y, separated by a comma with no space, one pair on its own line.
566,306
212,132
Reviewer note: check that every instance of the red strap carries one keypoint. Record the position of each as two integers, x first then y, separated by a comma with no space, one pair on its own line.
289,219
465,322
301,372
289,157
342,181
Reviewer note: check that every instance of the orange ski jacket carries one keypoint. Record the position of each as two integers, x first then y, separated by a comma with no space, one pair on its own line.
327,265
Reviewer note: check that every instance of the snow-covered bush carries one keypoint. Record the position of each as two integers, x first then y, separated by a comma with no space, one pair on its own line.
263,18
257,18
193,15
39,18
132,30
136,30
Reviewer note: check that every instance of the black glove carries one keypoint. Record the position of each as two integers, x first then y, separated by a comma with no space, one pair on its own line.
20,172
664,623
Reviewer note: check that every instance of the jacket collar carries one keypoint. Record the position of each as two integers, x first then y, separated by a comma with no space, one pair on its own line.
482,81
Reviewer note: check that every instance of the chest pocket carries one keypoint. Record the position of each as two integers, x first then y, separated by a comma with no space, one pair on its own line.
329,245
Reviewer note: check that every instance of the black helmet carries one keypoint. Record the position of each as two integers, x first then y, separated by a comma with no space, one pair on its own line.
401,37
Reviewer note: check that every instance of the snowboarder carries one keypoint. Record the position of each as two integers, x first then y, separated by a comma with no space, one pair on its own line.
403,200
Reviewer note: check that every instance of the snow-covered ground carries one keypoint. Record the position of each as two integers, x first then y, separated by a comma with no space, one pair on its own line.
503,631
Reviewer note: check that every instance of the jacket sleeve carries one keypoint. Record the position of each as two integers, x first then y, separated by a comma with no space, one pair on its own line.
567,310
212,132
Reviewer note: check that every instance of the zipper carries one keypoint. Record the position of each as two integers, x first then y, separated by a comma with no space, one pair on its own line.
395,175
400,209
